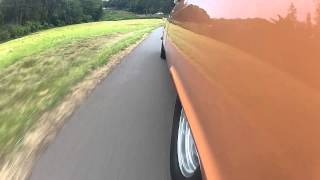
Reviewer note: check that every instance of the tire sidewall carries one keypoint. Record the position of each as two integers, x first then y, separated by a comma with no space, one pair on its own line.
174,165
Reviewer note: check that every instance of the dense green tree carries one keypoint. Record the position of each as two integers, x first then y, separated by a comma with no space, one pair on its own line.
20,17
73,12
142,6
49,11
92,8
1,17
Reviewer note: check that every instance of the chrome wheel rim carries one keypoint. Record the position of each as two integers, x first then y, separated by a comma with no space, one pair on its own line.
188,157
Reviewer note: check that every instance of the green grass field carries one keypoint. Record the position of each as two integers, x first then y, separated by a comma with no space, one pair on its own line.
116,15
38,70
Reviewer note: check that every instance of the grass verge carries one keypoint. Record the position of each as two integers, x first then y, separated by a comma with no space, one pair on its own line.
116,15
37,71
16,49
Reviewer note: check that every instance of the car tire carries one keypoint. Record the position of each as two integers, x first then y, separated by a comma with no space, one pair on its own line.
163,52
176,172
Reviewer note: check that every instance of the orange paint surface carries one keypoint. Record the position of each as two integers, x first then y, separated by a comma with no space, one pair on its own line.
249,78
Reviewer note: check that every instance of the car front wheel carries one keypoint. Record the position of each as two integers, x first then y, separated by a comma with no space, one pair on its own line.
184,158
163,52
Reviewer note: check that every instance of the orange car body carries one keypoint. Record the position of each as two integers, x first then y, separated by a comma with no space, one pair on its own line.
248,75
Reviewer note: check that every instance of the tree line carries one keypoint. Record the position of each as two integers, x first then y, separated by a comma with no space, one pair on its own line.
142,6
21,17
53,12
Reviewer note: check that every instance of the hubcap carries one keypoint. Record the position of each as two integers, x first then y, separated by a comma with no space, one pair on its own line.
188,157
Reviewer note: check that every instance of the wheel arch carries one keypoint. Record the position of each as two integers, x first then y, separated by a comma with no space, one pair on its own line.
208,167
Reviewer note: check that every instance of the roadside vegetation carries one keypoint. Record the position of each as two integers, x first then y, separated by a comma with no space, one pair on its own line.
116,15
141,6
38,70
22,17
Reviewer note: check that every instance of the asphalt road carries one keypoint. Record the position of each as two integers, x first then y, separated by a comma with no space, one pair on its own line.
122,131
